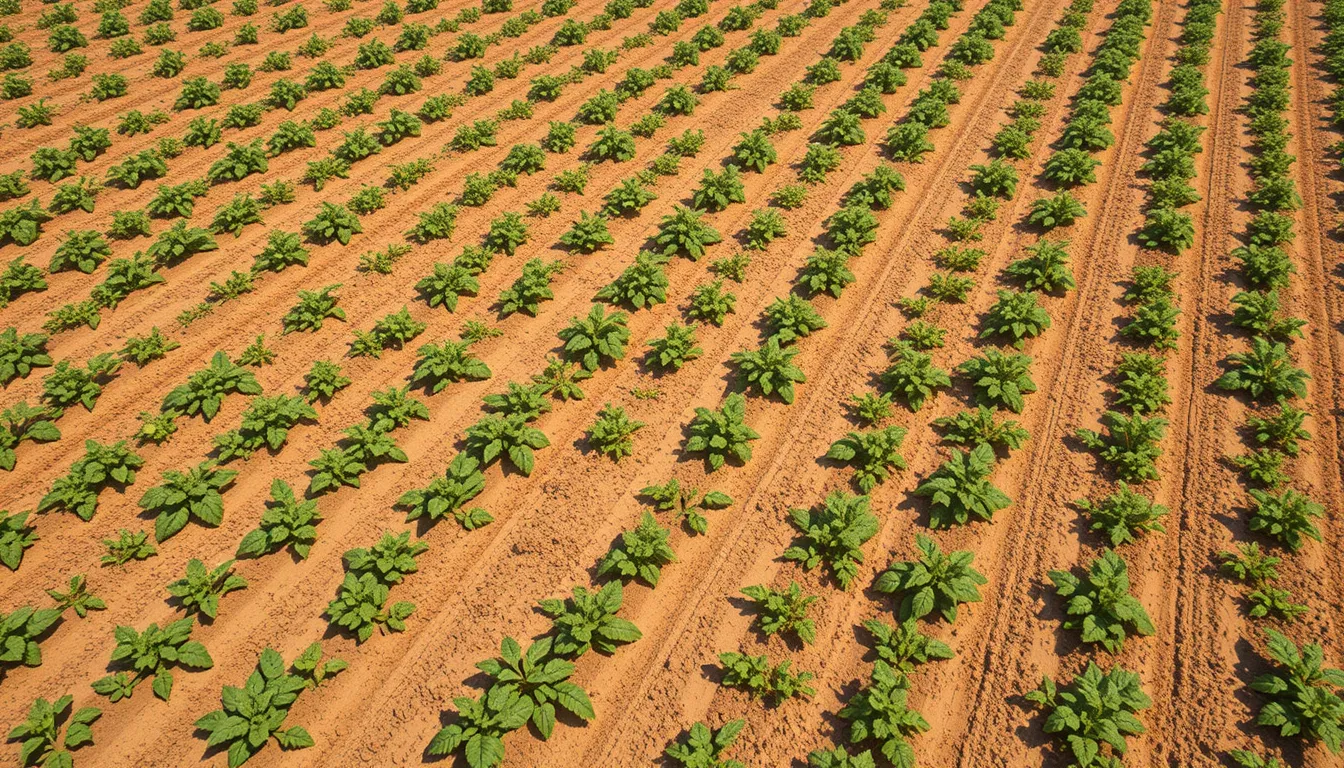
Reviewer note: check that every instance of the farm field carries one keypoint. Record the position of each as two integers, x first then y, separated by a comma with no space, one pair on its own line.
672,383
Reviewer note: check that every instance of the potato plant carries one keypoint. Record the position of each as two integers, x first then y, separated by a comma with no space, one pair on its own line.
880,712
872,454
251,715
152,655
961,489
587,621
286,521
640,553
833,534
704,746
755,675
1092,715
43,743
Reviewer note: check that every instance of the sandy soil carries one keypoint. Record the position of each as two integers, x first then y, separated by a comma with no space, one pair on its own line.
473,588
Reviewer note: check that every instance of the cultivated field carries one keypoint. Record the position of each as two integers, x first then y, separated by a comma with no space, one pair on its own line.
823,385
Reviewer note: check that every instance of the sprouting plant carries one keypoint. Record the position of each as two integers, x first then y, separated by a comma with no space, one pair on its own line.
709,302
101,466
871,454
961,488
755,675
612,432
449,494
1100,605
704,746
936,581
77,596
597,339
1282,431
361,605
390,559
201,588
286,521
674,349
16,535
483,723
998,379
438,365
495,436
23,422
127,547
183,496
589,620
880,712
257,353
723,434
688,504
684,232
249,716
903,646
913,377
769,370
20,354
205,390
1285,517
640,553
869,408
539,677
1266,372
1124,515
313,308
1130,444
1016,315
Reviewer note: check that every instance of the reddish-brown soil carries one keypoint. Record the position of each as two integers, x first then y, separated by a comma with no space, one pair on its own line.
474,588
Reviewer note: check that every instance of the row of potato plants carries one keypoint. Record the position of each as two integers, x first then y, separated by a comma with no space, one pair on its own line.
1099,604
1299,696
1000,380
1130,445
833,533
